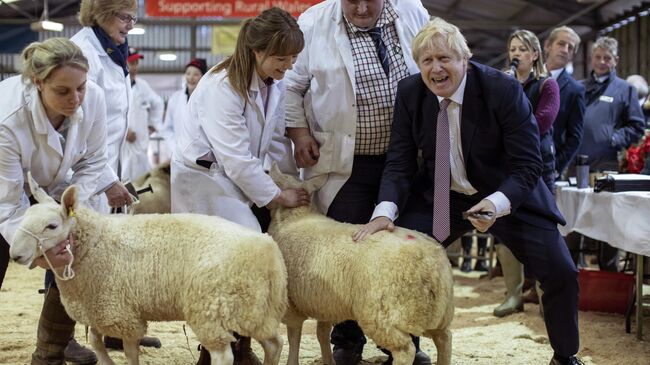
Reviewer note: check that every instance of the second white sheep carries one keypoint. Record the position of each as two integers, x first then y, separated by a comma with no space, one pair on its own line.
393,284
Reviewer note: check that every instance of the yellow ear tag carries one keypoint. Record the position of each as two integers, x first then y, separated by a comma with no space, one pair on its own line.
71,212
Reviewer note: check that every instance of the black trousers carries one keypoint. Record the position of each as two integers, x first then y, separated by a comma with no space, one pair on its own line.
542,250
4,258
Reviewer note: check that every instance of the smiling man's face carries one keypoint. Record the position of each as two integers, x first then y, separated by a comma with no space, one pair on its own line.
442,69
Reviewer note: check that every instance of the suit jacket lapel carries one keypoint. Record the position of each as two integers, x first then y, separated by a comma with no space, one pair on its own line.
562,79
470,113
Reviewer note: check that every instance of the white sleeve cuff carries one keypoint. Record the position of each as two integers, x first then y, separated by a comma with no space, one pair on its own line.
501,203
385,209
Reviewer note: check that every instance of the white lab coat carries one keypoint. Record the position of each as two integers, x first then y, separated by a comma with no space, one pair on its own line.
321,87
117,90
177,111
146,111
28,142
240,138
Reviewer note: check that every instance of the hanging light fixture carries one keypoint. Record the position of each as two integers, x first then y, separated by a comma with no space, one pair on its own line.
45,23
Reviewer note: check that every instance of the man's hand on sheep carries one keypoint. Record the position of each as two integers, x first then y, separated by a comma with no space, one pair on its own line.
57,255
292,198
118,196
375,225
482,215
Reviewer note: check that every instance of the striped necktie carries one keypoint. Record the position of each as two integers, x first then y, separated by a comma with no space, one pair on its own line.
375,34
442,176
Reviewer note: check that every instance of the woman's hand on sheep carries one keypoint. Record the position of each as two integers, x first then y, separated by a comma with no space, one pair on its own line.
58,256
375,225
118,196
292,198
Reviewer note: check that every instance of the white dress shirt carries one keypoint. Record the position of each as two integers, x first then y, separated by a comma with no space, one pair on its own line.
459,181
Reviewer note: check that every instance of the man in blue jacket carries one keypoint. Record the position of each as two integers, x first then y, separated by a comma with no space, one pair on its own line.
613,121
560,47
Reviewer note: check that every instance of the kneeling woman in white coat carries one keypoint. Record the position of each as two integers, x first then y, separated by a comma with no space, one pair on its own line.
52,123
236,124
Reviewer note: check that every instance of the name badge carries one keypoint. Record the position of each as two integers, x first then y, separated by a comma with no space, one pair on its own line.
607,99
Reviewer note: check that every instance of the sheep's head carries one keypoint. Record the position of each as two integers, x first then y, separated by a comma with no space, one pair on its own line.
47,222
285,181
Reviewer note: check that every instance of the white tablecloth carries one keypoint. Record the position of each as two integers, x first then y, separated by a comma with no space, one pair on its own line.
620,219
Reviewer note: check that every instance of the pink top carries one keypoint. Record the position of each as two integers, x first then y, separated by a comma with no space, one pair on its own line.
547,106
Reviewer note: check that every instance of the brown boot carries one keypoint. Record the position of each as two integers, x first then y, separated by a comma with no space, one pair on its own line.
77,354
55,330
244,355
531,296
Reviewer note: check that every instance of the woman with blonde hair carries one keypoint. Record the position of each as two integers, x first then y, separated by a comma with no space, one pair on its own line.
103,41
52,122
526,58
234,129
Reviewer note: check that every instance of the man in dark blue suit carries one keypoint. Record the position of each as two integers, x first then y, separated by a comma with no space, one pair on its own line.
479,143
560,47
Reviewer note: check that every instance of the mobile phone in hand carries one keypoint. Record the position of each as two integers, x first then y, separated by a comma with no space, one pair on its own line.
478,215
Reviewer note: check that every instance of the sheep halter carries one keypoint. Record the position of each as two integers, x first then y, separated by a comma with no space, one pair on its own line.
68,273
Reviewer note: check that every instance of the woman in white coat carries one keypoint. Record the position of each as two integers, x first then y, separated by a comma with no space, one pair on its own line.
103,42
236,124
52,123
177,105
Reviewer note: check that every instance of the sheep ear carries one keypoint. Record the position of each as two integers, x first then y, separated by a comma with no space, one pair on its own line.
39,194
69,201
315,183
276,174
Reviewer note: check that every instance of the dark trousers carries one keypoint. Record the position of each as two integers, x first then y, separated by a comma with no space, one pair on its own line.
542,250
4,258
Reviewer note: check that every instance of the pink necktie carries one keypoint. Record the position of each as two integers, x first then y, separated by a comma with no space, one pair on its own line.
442,176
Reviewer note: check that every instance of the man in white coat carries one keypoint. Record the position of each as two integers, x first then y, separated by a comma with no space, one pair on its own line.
145,117
339,108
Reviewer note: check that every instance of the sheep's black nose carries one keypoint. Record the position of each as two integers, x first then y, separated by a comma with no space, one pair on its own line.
17,258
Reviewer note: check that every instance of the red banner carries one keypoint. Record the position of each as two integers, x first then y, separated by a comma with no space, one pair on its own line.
222,8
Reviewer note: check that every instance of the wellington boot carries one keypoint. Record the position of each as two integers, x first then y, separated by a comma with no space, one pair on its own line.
513,275
244,355
55,330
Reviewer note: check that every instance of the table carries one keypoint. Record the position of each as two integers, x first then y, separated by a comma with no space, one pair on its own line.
620,219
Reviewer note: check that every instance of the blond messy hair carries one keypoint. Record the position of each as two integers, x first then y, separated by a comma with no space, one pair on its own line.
438,27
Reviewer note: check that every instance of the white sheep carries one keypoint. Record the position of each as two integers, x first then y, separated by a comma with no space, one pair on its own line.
158,201
393,284
216,275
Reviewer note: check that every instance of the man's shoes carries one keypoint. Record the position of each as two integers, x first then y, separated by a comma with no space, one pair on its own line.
345,356
116,343
204,356
243,354
481,265
75,353
531,296
466,266
421,358
573,360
